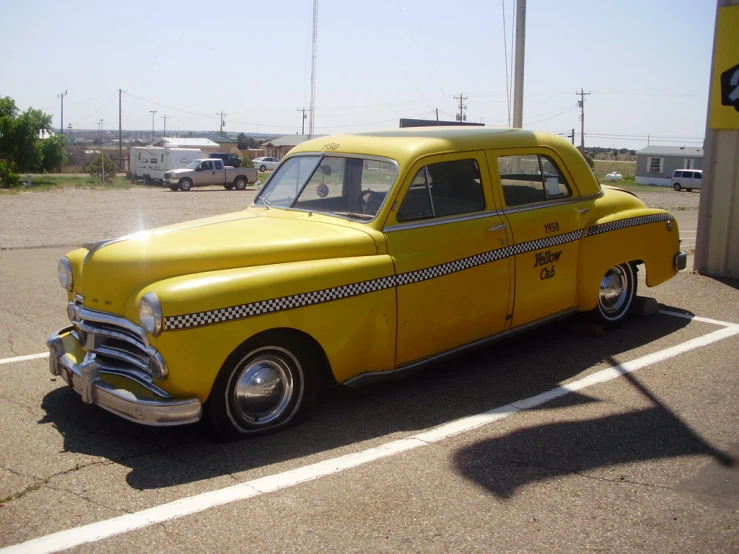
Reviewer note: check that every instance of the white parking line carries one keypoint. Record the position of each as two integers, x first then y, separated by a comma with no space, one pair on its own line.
93,532
24,358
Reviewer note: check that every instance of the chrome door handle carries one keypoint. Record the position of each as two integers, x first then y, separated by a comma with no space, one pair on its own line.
497,227
583,211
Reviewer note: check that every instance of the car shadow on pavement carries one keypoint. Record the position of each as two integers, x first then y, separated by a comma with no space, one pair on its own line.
505,464
465,385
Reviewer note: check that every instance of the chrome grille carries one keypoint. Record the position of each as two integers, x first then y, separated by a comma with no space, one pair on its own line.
120,347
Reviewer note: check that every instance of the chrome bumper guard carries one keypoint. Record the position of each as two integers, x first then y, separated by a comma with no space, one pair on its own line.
85,379
681,261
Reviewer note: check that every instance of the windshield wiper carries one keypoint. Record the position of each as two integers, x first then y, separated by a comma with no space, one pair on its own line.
266,202
355,214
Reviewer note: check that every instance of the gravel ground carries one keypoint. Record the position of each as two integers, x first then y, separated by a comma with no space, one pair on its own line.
71,216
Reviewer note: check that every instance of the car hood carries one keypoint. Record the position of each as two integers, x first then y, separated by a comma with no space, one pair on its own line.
112,272
180,171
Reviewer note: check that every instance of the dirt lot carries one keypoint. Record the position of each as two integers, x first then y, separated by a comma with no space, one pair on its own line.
69,217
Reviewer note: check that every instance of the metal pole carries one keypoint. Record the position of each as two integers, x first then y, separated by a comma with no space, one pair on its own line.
152,125
518,68
120,134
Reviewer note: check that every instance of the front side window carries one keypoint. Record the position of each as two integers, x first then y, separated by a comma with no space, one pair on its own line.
531,178
443,189
334,185
207,165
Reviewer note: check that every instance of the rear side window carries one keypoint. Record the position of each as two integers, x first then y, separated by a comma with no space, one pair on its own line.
687,174
443,189
698,175
219,164
531,178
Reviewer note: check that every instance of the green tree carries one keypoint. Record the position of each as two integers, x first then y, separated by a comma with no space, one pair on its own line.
94,167
20,142
242,142
54,151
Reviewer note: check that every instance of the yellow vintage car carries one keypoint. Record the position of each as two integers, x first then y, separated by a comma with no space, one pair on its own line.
363,257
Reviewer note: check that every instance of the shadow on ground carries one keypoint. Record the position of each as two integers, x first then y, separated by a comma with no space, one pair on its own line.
468,384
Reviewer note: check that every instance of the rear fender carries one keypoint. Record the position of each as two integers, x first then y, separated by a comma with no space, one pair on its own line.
640,235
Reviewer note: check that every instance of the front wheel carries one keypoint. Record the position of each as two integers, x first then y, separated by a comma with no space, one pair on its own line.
677,187
262,168
617,292
174,187
240,183
228,186
185,184
268,383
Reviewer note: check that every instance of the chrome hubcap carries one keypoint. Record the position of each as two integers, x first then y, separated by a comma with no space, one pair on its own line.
614,290
263,390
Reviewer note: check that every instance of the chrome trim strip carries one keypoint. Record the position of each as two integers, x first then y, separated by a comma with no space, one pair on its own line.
84,378
115,320
438,221
408,369
547,203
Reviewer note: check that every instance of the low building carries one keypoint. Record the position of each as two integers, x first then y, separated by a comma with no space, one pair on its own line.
224,141
655,164
279,147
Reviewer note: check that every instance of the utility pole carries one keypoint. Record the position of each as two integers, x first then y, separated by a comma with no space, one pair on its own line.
152,124
313,63
222,122
581,105
437,117
164,117
518,66
120,133
462,107
302,128
101,134
572,136
62,95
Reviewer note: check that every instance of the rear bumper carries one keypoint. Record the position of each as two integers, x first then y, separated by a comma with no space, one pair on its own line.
681,261
84,377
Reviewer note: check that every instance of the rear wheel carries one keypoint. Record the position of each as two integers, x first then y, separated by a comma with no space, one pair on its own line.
617,292
689,190
268,383
240,183
677,187
185,184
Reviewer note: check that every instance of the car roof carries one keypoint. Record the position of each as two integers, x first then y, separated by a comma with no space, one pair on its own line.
410,143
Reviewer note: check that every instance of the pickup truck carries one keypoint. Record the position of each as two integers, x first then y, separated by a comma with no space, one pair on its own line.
204,172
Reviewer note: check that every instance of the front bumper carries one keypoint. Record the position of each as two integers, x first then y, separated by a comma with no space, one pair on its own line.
681,261
81,372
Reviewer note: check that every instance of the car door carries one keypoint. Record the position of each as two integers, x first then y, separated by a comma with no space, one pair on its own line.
546,216
206,175
444,236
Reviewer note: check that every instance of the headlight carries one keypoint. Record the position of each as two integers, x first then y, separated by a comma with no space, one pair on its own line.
150,314
64,270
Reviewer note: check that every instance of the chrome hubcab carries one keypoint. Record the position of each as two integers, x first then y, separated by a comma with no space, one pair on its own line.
614,290
263,390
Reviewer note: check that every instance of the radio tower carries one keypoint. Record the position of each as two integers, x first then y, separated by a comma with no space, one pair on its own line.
312,110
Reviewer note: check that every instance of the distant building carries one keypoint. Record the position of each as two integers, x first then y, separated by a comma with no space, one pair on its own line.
279,147
224,141
655,164
203,144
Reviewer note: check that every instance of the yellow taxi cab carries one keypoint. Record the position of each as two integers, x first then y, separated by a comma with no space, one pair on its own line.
363,257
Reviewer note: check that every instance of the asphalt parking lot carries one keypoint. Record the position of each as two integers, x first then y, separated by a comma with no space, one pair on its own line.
553,441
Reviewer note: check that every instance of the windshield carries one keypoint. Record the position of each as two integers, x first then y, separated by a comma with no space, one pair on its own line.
333,185
193,164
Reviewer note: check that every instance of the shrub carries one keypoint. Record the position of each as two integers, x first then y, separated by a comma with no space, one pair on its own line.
246,161
95,170
8,177
590,162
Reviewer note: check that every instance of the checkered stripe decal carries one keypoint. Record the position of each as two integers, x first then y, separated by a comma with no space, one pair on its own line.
486,257
630,222
276,304
212,317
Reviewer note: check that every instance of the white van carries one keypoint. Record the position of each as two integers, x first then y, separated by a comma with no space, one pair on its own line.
687,179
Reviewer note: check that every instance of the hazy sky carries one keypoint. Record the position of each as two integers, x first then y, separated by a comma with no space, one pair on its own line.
646,62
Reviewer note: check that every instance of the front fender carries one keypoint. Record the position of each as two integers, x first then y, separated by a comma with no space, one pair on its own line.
346,304
647,235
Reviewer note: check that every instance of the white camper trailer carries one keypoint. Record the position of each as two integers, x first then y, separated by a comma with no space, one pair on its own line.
148,163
